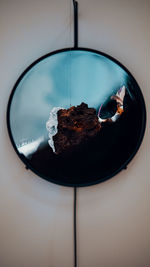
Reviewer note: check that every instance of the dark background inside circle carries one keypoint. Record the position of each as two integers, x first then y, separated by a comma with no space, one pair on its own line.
102,156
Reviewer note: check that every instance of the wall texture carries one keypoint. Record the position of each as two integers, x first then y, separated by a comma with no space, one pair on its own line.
37,216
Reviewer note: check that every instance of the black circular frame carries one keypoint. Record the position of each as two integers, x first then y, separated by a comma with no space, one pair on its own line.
23,158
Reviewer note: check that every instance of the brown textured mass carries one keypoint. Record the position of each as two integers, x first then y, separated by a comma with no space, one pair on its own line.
75,126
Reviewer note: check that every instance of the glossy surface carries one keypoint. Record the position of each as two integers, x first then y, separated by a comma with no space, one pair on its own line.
64,79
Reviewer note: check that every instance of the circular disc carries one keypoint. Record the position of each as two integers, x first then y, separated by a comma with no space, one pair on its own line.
76,117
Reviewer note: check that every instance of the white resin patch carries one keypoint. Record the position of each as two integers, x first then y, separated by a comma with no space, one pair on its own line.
51,126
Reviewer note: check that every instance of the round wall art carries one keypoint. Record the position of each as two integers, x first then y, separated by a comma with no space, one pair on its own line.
76,117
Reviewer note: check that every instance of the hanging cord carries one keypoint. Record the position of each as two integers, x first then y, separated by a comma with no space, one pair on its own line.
75,4
75,226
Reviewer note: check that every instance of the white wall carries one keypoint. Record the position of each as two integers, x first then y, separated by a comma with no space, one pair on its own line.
36,216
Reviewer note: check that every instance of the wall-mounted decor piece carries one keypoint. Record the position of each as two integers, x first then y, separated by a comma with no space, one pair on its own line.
76,116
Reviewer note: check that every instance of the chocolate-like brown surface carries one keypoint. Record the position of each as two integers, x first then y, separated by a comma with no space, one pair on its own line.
75,126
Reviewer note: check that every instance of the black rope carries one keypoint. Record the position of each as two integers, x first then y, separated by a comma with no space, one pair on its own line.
75,4
75,226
